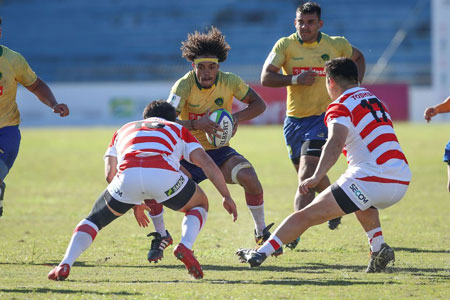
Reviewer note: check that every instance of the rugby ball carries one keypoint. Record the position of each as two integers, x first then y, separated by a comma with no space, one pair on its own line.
225,121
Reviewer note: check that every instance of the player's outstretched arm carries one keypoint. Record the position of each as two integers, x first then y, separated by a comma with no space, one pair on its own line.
44,93
437,109
331,151
212,171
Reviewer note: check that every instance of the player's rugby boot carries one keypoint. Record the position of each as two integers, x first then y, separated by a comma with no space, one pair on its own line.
379,260
159,244
2,193
187,257
334,223
260,239
251,256
59,273
292,245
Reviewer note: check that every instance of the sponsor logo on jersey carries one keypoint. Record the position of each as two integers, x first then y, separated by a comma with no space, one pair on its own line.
219,101
298,58
357,191
176,187
325,57
1,90
321,134
193,116
299,70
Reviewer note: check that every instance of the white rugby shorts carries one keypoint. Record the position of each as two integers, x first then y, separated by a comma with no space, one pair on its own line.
365,194
134,185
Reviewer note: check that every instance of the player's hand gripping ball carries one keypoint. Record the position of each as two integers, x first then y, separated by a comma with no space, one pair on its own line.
225,121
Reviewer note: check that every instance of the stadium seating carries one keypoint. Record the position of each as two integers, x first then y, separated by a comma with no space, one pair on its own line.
106,40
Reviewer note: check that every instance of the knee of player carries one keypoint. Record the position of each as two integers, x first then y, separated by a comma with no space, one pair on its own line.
248,179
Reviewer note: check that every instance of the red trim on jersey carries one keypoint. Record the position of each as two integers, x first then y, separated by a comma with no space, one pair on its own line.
195,213
187,136
86,229
336,110
162,130
153,162
135,154
383,138
345,97
174,129
274,244
382,180
360,112
113,140
373,125
146,139
391,154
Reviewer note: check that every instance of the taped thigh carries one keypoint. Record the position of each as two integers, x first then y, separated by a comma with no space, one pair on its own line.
237,168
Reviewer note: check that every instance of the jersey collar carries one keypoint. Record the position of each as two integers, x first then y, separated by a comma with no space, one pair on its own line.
200,86
319,38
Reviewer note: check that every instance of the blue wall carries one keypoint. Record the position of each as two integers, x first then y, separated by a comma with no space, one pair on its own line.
103,40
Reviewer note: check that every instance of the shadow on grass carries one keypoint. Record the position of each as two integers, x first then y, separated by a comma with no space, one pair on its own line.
415,250
65,291
291,282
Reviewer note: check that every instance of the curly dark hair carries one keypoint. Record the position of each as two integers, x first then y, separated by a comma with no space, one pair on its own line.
202,44
160,109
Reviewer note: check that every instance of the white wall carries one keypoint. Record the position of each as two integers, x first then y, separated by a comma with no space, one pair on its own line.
97,104
92,104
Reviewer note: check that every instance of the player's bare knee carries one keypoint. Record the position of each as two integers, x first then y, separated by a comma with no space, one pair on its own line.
248,179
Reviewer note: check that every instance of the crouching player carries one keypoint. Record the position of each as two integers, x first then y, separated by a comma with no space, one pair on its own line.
146,155
377,176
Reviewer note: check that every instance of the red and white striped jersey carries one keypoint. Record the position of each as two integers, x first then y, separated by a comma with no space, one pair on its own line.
151,143
371,148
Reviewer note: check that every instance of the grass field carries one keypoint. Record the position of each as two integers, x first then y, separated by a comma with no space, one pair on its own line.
59,174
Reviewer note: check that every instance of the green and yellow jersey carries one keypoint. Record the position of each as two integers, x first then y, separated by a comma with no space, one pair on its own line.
294,56
192,101
13,69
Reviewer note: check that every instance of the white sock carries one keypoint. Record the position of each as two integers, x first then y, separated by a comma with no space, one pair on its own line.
158,222
192,223
82,238
258,217
376,239
271,245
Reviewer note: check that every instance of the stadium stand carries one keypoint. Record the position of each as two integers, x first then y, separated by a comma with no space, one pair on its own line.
132,40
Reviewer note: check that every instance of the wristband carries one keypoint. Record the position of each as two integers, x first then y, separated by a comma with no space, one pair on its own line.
294,79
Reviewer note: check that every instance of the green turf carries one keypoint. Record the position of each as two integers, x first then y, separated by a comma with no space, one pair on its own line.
59,174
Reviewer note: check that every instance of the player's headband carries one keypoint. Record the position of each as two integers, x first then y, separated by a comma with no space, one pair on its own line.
206,59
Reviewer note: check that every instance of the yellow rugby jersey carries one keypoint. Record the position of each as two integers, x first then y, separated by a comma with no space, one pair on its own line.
192,101
294,57
13,69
